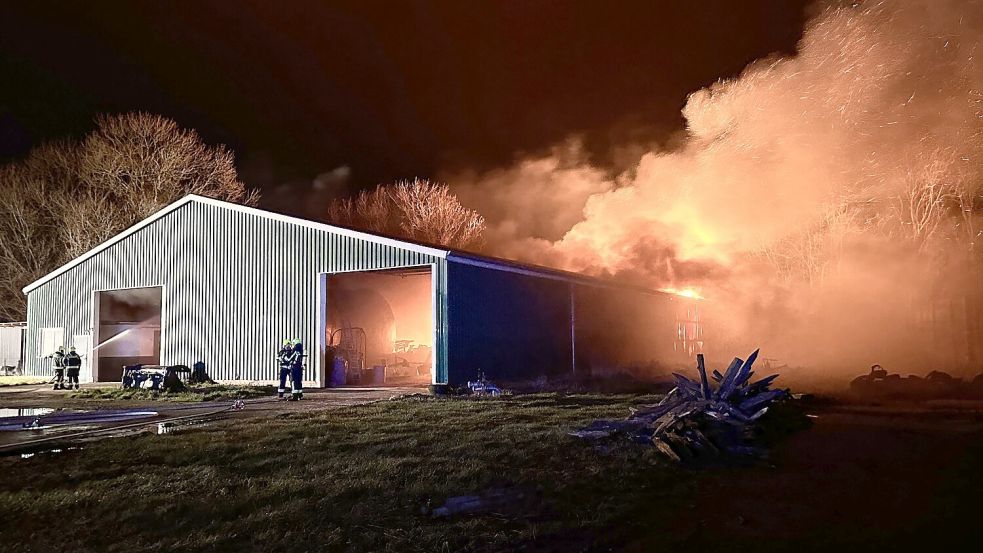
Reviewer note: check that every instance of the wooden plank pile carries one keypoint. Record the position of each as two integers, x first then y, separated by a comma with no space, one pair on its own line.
697,419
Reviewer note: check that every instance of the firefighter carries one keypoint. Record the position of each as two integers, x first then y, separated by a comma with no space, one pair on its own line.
73,363
59,363
283,360
297,371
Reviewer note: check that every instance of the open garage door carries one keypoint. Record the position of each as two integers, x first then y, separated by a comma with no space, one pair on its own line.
126,330
379,327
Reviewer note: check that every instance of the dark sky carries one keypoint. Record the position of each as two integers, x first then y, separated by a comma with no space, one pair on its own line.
389,89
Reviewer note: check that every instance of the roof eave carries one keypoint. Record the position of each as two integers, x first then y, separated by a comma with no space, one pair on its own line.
236,207
516,267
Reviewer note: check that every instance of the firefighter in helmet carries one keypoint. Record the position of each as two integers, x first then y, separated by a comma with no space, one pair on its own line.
73,364
283,360
297,370
59,365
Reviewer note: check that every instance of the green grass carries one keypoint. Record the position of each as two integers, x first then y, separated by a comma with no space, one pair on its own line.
18,380
199,392
356,479
352,479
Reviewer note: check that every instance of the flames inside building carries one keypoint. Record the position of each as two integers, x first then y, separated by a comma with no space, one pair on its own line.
380,327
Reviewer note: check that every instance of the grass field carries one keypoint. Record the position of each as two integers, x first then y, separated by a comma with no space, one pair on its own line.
352,478
356,479
198,392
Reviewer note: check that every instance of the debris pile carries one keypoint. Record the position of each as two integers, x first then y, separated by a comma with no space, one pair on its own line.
482,387
880,384
698,420
199,375
154,377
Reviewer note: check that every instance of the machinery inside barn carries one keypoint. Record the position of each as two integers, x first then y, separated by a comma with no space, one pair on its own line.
380,327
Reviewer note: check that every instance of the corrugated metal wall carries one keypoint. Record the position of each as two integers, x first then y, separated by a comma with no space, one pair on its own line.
510,326
235,285
516,325
12,345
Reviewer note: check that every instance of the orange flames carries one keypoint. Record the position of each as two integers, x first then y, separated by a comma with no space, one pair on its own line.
691,293
833,196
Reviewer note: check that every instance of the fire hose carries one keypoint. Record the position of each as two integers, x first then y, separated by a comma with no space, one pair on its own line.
41,387
236,405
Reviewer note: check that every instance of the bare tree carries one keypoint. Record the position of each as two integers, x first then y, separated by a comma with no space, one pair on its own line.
430,212
811,253
418,210
372,210
29,242
938,205
65,198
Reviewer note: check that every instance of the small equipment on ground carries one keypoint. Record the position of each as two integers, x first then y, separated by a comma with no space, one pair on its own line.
154,377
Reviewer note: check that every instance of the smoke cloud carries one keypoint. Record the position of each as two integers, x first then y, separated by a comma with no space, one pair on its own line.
828,205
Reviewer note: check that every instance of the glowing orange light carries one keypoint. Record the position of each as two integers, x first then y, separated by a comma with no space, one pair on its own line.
691,293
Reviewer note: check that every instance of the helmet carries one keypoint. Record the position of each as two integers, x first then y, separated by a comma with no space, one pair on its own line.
71,348
287,342
295,341
61,349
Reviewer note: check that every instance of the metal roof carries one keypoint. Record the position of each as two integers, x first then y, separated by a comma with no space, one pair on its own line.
243,209
419,247
540,271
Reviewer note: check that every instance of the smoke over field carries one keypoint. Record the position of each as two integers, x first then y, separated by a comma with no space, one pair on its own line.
828,205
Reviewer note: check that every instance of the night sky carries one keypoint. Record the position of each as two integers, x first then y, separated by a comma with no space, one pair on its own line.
388,89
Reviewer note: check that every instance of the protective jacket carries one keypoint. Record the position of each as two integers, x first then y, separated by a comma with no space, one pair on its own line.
283,359
73,361
296,357
283,356
297,371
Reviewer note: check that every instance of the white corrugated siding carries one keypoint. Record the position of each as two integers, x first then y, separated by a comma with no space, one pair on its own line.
11,344
235,285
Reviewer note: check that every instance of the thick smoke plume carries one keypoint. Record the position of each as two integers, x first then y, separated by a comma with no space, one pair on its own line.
828,205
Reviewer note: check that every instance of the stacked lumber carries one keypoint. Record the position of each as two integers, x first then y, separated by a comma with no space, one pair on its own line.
714,416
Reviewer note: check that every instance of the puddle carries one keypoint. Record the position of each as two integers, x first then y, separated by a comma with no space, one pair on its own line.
31,412
23,419
38,418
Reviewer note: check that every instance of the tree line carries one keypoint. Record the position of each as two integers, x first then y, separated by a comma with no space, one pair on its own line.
68,196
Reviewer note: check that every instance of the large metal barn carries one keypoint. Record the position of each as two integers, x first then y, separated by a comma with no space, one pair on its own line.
223,284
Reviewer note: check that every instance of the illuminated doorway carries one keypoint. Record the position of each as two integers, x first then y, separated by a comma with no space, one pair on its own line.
379,327
126,330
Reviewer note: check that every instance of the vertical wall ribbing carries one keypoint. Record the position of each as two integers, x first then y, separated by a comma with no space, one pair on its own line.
235,284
